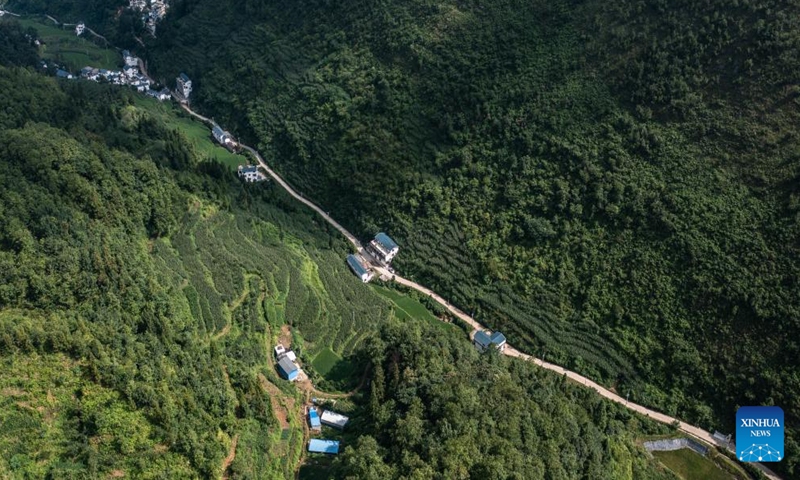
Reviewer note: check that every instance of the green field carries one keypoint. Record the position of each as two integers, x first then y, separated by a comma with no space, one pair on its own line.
197,133
63,46
689,465
325,360
407,308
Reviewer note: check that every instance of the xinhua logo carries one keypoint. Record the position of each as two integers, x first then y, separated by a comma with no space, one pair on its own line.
759,434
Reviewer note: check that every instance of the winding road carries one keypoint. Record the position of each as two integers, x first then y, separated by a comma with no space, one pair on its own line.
691,430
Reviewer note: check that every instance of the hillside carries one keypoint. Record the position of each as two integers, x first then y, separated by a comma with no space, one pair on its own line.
142,288
613,186
141,291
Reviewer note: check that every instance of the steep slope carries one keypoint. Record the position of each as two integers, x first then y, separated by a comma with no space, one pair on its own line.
614,186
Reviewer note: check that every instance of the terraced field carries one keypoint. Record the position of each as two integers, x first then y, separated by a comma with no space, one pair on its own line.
439,262
63,46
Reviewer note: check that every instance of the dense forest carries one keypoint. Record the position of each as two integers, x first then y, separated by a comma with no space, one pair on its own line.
437,409
613,185
142,288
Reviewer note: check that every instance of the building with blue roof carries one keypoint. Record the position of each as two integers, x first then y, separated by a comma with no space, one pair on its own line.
483,340
313,419
383,248
330,447
288,369
63,74
358,267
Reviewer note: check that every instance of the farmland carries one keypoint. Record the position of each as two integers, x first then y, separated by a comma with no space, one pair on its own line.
63,46
689,465
196,133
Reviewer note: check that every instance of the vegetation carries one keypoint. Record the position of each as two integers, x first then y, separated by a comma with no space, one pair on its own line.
141,290
60,44
614,186
689,465
439,409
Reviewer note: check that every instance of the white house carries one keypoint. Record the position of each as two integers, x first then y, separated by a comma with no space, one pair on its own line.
224,138
184,85
79,28
383,248
251,173
130,60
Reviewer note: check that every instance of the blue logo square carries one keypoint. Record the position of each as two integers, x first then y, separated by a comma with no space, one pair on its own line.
759,434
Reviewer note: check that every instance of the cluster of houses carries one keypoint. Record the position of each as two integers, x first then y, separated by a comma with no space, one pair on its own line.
152,12
129,75
316,421
380,250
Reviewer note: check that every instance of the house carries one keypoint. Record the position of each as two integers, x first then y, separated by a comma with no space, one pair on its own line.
86,72
184,85
279,350
130,60
383,248
251,173
129,71
358,268
79,28
483,340
313,419
316,445
63,74
291,355
333,419
224,138
288,369
164,94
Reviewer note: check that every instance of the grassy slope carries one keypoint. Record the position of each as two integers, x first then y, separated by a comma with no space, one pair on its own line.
63,46
691,466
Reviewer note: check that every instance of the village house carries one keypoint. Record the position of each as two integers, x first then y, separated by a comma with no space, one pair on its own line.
359,268
160,95
316,445
130,60
313,420
224,138
483,340
79,28
333,419
63,74
251,173
383,248
184,85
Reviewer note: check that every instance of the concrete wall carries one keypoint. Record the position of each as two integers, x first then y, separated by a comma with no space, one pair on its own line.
675,444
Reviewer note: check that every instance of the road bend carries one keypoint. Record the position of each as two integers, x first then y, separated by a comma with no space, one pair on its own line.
690,430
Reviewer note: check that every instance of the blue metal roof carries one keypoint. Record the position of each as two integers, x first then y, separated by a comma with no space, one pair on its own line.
356,265
385,241
497,338
217,131
184,77
482,339
313,418
323,446
62,73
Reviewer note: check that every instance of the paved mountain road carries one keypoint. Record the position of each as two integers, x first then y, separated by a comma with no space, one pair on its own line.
510,351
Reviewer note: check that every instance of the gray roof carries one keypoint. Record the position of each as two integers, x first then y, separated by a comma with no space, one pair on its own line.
356,265
482,339
184,77
287,366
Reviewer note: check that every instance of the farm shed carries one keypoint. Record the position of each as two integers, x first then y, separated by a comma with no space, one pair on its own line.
333,419
288,369
323,446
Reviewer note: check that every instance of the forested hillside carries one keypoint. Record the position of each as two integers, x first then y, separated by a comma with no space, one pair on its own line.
614,185
142,288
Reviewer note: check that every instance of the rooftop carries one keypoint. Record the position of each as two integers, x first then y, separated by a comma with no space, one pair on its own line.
287,365
313,418
482,339
356,265
498,338
323,446
334,419
184,77
385,241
